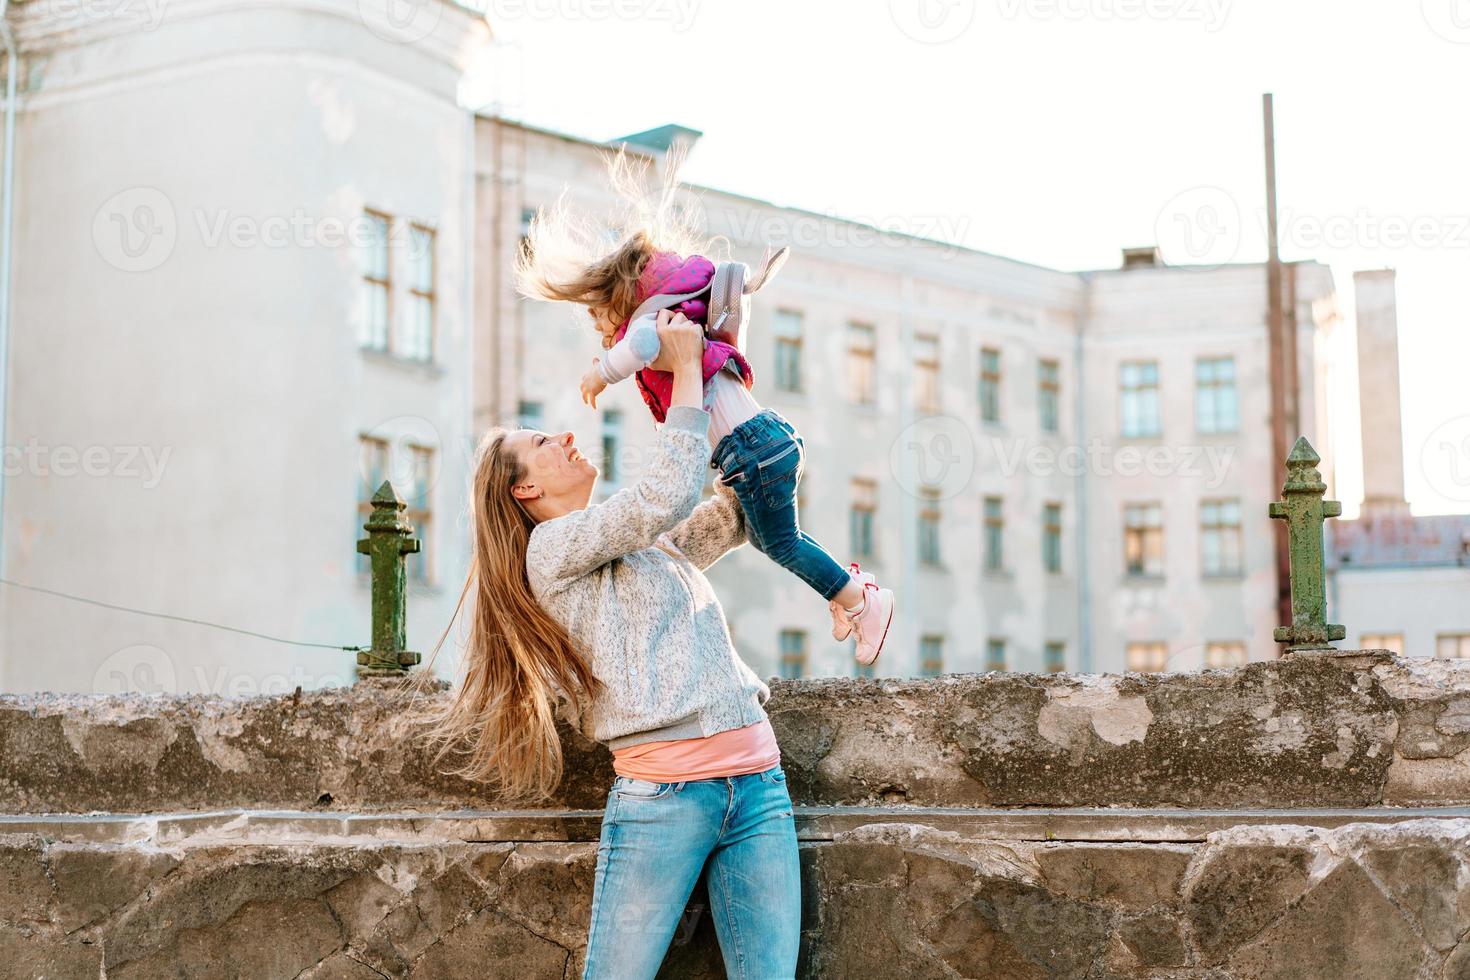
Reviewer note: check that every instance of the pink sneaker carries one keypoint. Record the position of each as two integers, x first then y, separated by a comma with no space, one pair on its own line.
841,618
872,622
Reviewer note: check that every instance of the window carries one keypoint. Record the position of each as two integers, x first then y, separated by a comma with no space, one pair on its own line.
1452,646
376,284
931,656
990,385
862,350
1148,657
1382,641
995,654
372,469
1140,398
929,528
612,435
419,512
418,338
1051,537
1048,395
1214,395
530,415
995,527
1143,539
926,374
861,670
1055,658
1219,530
786,328
1229,653
864,511
793,653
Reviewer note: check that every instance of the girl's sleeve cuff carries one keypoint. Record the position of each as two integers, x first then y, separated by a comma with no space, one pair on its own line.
688,418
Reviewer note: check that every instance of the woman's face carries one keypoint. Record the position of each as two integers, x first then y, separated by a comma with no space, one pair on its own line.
557,478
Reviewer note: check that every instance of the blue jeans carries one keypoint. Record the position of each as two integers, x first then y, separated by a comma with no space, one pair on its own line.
762,461
658,838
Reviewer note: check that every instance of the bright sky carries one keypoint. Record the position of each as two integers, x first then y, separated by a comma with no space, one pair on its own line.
1058,131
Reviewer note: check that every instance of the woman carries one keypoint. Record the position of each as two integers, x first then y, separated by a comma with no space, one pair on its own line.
606,609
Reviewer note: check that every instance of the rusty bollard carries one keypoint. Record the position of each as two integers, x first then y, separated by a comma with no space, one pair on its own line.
1304,511
389,540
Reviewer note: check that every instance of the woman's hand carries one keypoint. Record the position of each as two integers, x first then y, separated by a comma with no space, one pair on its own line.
681,350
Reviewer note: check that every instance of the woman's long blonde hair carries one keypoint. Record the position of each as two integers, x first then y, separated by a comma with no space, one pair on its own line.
518,659
570,257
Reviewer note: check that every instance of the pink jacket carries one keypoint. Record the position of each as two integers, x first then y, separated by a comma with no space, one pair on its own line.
668,273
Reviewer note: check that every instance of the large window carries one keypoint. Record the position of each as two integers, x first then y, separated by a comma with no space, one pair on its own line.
372,470
1048,395
995,654
1214,395
862,347
530,415
793,653
418,334
990,384
864,514
1051,537
376,281
1225,653
1147,657
1055,657
419,512
1382,641
995,528
1219,535
786,328
1452,646
931,655
929,527
926,374
1139,391
1143,539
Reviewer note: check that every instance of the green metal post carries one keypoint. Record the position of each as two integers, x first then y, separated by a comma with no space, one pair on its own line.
389,540
1304,511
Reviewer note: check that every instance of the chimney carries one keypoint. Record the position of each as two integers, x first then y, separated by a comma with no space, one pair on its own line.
1142,257
1378,393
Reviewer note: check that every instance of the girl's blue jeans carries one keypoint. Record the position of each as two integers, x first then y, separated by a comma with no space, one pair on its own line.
658,838
762,461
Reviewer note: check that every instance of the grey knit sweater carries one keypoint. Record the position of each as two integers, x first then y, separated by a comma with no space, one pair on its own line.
625,578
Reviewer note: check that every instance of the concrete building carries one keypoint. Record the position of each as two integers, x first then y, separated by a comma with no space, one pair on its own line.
241,300
1053,469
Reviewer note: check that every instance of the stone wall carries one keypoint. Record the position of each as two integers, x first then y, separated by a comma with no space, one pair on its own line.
1301,818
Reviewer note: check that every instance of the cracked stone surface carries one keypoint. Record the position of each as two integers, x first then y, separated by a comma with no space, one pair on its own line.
1344,729
1362,901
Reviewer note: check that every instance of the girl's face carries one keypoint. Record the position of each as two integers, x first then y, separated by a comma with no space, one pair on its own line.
603,325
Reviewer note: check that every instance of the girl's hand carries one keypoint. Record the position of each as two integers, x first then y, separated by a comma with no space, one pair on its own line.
592,385
680,344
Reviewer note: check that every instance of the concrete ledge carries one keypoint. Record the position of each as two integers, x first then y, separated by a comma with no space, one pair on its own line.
1343,729
887,898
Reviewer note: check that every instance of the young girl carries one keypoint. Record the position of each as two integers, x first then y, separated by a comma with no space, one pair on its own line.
759,454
